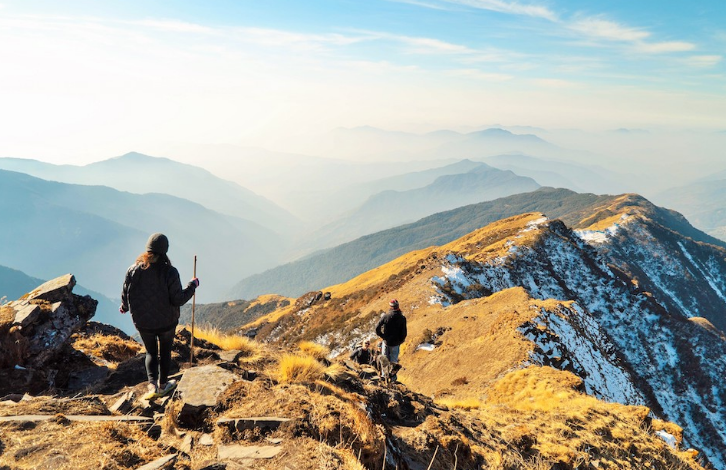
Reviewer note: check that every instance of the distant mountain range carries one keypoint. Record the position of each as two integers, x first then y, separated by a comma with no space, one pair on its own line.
362,142
142,174
560,174
392,208
96,232
702,202
343,262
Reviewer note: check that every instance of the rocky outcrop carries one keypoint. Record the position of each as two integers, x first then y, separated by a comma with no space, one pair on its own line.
34,328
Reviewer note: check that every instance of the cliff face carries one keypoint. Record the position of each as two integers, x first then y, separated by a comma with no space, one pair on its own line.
627,344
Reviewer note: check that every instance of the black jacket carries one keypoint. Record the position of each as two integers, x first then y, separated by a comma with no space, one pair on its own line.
361,356
154,295
392,327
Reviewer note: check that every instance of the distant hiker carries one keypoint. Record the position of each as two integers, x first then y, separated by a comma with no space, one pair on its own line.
392,329
362,355
153,292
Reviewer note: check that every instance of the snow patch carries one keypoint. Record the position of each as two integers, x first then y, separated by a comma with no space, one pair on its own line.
534,224
669,439
597,236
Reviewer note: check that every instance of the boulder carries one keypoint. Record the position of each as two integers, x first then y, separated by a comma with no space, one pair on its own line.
200,389
55,290
42,323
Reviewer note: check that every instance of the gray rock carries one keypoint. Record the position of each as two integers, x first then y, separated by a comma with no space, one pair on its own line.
230,356
159,464
80,418
200,388
187,444
240,452
27,315
124,404
55,290
206,440
212,465
258,422
87,378
47,318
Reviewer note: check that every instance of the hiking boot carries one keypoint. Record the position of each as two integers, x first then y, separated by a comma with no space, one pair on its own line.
152,391
166,388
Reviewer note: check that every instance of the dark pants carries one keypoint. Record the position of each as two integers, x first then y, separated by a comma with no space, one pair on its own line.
158,353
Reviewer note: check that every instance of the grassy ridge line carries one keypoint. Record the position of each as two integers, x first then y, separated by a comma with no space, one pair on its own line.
346,261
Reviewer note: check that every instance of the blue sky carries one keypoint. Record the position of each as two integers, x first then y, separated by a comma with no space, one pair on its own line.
89,78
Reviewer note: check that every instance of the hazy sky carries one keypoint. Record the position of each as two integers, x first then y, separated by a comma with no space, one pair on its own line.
87,80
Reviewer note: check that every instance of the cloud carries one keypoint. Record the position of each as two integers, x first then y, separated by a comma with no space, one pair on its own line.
279,38
555,83
479,75
637,38
609,30
175,26
664,47
703,61
420,4
514,8
434,46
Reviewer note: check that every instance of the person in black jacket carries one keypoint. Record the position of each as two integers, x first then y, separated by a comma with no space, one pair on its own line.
392,329
362,355
153,293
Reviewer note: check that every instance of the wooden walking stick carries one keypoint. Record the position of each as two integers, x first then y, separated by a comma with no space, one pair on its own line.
194,301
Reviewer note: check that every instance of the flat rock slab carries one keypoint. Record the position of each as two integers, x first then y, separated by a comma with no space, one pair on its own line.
123,404
54,290
257,422
200,389
202,386
158,464
81,418
240,452
230,356
27,315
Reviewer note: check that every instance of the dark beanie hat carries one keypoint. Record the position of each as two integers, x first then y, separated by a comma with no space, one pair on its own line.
158,243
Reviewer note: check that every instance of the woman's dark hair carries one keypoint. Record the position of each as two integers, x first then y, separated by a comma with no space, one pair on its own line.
148,258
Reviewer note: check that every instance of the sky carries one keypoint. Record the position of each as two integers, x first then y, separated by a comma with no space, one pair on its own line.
83,81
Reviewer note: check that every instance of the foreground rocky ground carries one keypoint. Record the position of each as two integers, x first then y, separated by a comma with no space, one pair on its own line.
252,405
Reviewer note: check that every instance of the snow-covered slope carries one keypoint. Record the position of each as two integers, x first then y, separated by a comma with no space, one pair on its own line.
629,338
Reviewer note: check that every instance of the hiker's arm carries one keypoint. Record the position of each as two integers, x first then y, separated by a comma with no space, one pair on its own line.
125,294
379,328
177,295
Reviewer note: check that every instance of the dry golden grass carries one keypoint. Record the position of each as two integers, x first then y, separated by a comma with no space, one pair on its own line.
62,444
229,342
109,348
7,316
337,372
461,404
324,412
318,351
295,368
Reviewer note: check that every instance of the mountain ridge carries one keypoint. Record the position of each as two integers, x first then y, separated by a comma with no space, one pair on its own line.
563,292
